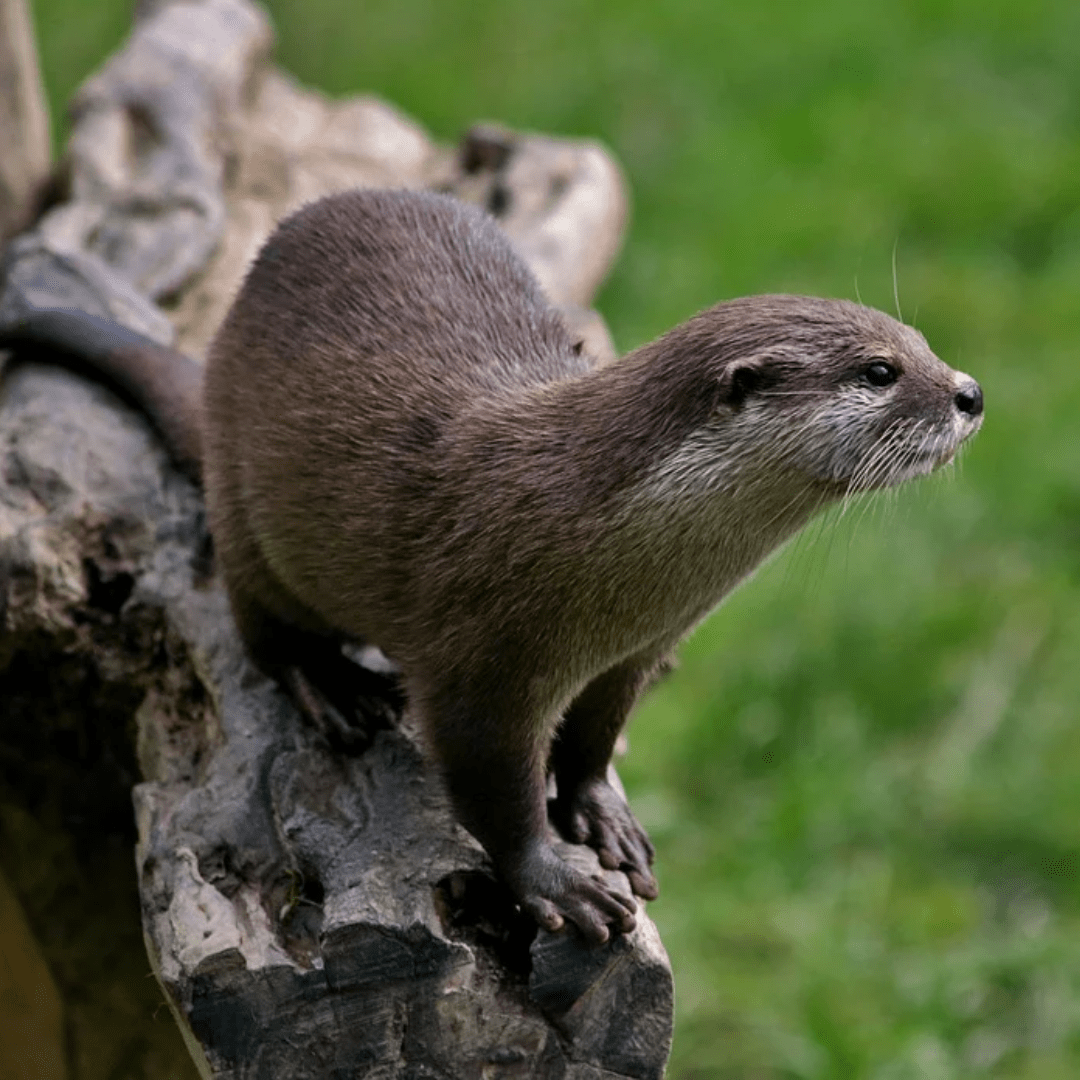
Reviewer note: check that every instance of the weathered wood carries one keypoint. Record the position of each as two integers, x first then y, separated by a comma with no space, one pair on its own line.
307,913
24,119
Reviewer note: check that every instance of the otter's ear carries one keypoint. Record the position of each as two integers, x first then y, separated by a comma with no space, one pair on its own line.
740,379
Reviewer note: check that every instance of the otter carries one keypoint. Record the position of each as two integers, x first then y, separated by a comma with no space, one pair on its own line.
402,445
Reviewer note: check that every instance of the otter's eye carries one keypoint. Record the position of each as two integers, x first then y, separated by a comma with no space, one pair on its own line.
880,374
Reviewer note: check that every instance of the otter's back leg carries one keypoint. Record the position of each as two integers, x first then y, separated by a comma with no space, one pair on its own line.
289,641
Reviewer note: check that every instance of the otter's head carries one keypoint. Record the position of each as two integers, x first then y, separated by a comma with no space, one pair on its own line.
842,393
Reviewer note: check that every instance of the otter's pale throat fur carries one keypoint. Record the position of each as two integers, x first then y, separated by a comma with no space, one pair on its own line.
402,445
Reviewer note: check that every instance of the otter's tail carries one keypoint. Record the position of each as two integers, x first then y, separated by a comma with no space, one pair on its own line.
162,383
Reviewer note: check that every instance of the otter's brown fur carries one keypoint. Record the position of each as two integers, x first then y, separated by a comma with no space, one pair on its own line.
404,446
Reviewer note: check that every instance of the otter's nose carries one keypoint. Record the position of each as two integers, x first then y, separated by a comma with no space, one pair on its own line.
969,398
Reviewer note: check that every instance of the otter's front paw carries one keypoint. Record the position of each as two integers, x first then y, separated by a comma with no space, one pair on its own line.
554,893
594,813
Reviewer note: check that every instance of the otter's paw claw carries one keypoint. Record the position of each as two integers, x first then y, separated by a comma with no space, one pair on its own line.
554,893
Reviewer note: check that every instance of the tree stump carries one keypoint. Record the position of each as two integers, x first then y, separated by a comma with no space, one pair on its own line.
307,913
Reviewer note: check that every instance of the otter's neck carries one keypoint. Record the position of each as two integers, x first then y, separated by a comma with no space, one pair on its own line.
653,496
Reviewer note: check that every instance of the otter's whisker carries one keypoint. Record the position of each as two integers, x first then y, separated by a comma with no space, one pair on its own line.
895,285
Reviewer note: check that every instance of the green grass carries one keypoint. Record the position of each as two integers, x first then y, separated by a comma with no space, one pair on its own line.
864,782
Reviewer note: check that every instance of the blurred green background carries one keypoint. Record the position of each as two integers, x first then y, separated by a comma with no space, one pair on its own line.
863,781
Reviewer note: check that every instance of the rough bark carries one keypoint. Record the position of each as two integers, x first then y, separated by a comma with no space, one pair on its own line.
307,913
